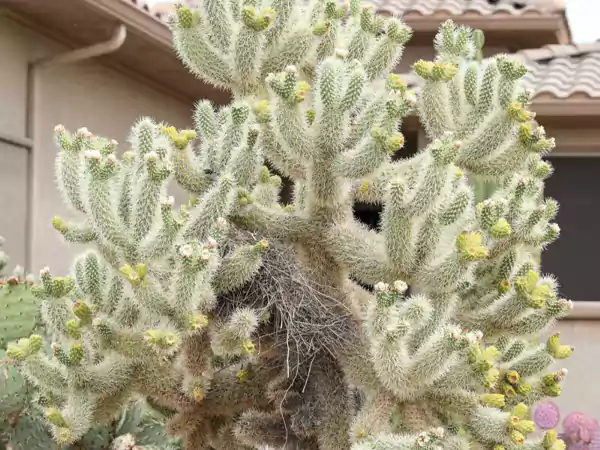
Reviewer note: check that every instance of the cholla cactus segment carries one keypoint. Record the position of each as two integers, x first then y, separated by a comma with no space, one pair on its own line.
195,309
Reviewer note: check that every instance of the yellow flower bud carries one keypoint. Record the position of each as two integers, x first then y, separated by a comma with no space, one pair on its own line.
517,437
243,375
523,388
521,410
504,286
394,82
54,416
198,394
549,439
512,376
59,224
470,245
563,352
501,229
247,347
199,321
525,427
495,400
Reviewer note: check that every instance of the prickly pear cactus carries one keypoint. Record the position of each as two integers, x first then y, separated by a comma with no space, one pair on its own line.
25,432
18,313
13,389
21,426
18,310
148,434
136,428
18,307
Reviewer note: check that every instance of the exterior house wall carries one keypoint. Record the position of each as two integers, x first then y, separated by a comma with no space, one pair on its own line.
75,95
581,389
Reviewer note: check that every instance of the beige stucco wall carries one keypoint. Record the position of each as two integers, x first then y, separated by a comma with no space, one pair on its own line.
76,95
107,102
582,387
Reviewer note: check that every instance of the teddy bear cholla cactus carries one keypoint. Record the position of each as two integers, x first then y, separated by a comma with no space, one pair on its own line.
167,307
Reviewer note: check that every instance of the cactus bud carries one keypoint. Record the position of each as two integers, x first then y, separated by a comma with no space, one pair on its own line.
471,247
501,229
54,416
517,437
494,400
247,347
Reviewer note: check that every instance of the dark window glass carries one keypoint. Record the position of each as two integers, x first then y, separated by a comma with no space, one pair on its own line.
573,258
287,188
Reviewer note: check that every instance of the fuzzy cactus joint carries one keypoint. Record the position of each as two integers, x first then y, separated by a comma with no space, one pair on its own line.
247,322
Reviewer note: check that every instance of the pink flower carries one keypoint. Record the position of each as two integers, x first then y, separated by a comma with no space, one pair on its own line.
595,442
579,428
546,416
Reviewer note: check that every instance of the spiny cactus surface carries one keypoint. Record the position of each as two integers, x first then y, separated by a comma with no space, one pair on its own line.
22,422
242,318
135,429
20,310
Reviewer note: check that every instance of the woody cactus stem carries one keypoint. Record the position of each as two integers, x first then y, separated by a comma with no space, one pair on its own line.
147,311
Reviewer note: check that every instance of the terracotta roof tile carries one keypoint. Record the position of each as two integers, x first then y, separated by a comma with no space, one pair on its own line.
162,9
563,70
559,70
423,7
460,7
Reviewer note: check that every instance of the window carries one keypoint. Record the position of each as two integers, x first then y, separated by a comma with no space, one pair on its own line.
287,187
574,257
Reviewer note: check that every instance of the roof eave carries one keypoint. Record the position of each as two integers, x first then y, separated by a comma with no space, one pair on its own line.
519,31
576,106
502,22
148,50
151,28
492,22
147,54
